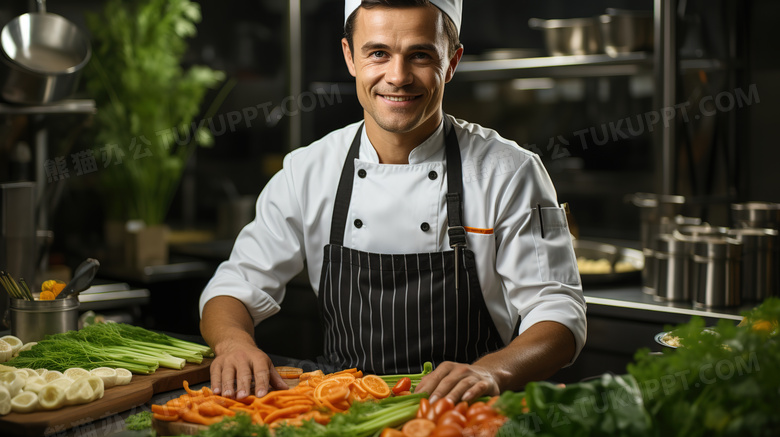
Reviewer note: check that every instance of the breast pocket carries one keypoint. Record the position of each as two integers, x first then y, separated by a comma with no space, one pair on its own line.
554,250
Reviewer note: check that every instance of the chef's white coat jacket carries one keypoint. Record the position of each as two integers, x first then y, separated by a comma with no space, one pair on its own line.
521,274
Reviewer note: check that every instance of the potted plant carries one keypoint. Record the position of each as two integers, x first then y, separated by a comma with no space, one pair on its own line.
146,102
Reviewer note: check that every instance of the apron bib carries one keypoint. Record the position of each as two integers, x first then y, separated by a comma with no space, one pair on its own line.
388,313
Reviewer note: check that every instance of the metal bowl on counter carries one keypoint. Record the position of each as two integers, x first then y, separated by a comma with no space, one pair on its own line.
570,36
602,263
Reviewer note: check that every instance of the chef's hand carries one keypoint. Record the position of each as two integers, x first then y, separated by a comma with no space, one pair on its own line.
458,382
236,365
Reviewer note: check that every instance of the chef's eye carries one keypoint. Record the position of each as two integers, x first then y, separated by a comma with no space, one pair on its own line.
378,54
421,55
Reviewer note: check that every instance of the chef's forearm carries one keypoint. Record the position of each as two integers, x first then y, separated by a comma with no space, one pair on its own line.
225,321
534,355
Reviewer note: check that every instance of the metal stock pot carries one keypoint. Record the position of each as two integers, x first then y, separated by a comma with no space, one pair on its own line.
570,36
42,57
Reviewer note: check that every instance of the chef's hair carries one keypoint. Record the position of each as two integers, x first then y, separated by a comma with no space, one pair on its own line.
449,27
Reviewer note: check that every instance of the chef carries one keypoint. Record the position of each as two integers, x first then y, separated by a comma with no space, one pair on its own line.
426,237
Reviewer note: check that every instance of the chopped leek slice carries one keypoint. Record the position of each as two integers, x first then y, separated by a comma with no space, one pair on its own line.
24,402
51,397
107,374
123,376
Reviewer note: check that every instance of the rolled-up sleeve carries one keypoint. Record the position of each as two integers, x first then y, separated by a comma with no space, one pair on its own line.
267,252
535,257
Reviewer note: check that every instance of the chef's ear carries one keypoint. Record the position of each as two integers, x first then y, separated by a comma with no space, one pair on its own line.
348,58
454,60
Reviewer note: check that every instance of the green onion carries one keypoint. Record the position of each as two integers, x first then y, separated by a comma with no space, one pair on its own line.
391,380
111,345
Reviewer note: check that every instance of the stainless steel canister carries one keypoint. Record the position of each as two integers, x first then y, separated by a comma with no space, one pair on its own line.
652,209
716,272
759,263
690,235
756,215
671,256
32,320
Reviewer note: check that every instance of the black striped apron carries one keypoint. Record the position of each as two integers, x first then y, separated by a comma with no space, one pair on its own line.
388,314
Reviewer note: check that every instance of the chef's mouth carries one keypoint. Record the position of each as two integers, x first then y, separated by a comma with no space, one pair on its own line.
398,98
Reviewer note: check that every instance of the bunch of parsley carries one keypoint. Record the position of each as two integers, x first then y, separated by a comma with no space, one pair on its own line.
146,102
723,381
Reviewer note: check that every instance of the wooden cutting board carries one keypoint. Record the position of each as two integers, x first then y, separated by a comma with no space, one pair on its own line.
115,400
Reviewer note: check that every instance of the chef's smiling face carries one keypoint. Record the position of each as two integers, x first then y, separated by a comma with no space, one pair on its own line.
400,64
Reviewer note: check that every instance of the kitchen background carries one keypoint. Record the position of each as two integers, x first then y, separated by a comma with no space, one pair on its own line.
589,122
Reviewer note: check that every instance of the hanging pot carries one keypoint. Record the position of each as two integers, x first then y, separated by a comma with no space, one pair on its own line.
42,57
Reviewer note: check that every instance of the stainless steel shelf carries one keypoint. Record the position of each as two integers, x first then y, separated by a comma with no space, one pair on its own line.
626,64
74,106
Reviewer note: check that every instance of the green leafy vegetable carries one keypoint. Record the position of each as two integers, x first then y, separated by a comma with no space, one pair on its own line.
723,381
110,345
146,102
140,421
238,426
609,406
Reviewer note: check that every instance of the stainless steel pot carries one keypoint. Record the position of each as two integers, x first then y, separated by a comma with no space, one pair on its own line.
717,272
756,215
760,254
624,31
654,208
42,57
570,36
671,256
32,320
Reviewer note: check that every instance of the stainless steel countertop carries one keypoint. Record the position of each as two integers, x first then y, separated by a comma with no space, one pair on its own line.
630,298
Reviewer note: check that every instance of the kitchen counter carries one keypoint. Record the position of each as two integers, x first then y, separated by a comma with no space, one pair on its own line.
622,320
631,300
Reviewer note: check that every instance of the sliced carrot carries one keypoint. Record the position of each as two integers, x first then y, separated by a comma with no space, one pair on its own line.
308,403
247,400
201,399
308,375
289,411
337,394
193,416
376,386
356,386
328,404
322,419
346,378
165,418
225,402
257,418
292,397
271,396
236,408
288,372
214,409
180,403
328,386
193,392
342,404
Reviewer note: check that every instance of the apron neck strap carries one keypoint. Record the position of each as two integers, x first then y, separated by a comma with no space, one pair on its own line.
455,230
344,192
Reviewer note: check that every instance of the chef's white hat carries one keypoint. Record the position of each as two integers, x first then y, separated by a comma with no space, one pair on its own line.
453,9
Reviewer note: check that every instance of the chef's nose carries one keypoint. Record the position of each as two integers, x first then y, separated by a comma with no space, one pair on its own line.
399,72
